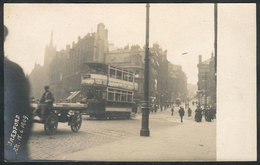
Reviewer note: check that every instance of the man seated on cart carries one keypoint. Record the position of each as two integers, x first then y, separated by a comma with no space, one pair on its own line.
46,101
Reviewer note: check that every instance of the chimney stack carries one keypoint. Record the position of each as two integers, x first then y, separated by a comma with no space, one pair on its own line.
200,59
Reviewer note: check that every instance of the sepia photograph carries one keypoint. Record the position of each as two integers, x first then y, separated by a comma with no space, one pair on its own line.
125,82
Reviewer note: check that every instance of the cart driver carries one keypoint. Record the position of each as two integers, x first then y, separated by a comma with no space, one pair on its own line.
47,99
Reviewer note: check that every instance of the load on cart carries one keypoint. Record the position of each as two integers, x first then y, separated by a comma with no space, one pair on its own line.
50,114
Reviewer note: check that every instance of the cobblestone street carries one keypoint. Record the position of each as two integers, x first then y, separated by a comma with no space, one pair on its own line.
93,133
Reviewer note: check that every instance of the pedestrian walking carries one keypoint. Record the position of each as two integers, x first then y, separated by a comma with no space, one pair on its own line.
189,112
208,116
156,108
181,112
213,109
172,109
198,114
135,106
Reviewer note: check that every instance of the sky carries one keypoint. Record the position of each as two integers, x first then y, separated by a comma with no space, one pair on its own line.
177,28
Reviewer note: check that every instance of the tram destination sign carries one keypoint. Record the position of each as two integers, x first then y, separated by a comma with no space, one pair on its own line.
92,79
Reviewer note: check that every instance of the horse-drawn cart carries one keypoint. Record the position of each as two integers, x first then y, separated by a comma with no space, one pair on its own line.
60,112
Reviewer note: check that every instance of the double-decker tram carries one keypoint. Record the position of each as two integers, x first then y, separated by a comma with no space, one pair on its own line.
108,90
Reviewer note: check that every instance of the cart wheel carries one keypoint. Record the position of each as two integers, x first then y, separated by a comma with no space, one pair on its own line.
76,122
51,124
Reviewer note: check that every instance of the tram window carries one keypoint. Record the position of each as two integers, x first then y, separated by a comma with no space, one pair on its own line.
123,96
119,75
129,98
112,73
117,97
131,78
125,75
111,96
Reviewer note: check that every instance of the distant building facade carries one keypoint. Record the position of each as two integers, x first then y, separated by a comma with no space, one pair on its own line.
206,81
177,81
63,67
39,77
160,79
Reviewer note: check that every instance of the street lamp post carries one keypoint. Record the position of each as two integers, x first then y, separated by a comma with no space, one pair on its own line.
215,33
215,43
146,109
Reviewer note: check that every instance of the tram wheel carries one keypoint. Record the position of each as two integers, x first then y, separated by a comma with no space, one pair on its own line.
51,124
76,122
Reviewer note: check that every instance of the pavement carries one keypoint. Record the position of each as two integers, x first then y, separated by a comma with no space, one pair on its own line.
187,141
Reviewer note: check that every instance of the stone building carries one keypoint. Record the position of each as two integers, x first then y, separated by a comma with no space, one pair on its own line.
160,71
39,77
177,83
160,79
63,67
206,81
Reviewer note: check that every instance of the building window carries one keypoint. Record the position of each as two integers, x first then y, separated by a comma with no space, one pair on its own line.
125,76
119,74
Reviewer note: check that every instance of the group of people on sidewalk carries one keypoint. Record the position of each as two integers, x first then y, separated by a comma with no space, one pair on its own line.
209,112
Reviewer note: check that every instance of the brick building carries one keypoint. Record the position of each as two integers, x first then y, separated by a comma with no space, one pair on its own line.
206,81
61,69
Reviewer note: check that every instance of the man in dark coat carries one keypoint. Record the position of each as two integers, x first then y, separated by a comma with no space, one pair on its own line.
47,96
17,112
172,109
189,112
208,114
198,114
47,101
181,112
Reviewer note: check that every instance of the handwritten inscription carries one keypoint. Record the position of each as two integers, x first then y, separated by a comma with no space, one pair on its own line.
17,132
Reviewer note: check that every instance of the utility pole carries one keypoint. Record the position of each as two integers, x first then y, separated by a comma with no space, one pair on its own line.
146,108
215,33
215,44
